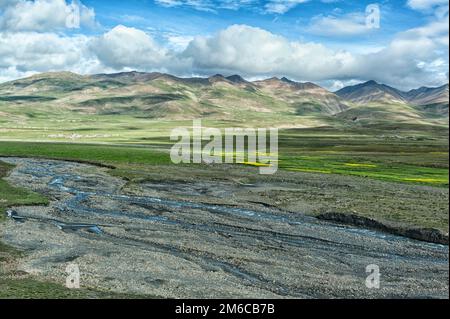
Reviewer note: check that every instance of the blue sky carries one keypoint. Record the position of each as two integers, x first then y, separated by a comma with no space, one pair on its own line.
188,20
325,41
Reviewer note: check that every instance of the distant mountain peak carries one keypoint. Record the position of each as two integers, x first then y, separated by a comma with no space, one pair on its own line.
236,79
371,82
285,79
218,78
371,91
286,83
429,96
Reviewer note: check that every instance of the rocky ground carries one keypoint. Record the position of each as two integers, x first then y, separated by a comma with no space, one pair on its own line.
203,238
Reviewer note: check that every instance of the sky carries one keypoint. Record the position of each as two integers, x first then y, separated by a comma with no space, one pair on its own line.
403,43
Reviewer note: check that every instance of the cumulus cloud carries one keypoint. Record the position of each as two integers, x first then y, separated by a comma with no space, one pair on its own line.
25,53
32,41
413,58
128,47
44,15
416,56
256,52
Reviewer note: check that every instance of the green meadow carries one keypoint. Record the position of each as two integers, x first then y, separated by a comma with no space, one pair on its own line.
409,156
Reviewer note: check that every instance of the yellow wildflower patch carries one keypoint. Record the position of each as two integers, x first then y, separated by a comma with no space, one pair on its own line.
255,164
360,165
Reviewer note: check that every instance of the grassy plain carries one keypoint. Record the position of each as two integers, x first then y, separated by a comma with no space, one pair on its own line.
410,154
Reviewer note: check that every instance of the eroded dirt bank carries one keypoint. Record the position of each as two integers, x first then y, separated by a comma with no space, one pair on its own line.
143,242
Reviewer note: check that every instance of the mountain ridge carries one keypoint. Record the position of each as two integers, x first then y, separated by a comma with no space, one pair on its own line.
165,96
372,91
415,96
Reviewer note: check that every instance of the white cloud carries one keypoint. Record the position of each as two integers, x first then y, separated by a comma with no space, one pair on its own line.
28,45
203,5
348,25
179,42
236,4
128,47
255,52
271,6
282,6
9,73
44,15
24,53
414,58
426,4
208,5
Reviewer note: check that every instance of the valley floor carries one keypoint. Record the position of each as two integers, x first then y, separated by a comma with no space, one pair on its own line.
214,232
398,179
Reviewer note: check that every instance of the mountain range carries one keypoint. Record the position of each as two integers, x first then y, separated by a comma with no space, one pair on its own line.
163,96
372,91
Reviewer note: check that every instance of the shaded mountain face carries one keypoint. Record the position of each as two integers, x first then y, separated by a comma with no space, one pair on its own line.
237,79
427,96
374,92
57,81
371,91
432,101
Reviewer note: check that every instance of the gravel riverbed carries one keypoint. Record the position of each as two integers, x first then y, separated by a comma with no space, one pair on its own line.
143,242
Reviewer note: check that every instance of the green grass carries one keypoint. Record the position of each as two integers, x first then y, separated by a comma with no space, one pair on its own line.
15,196
398,152
346,164
409,156
104,154
414,154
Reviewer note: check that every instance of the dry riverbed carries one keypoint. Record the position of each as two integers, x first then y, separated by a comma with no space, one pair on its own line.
205,238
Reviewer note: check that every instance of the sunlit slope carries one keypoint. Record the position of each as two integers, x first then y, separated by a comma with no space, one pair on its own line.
123,104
